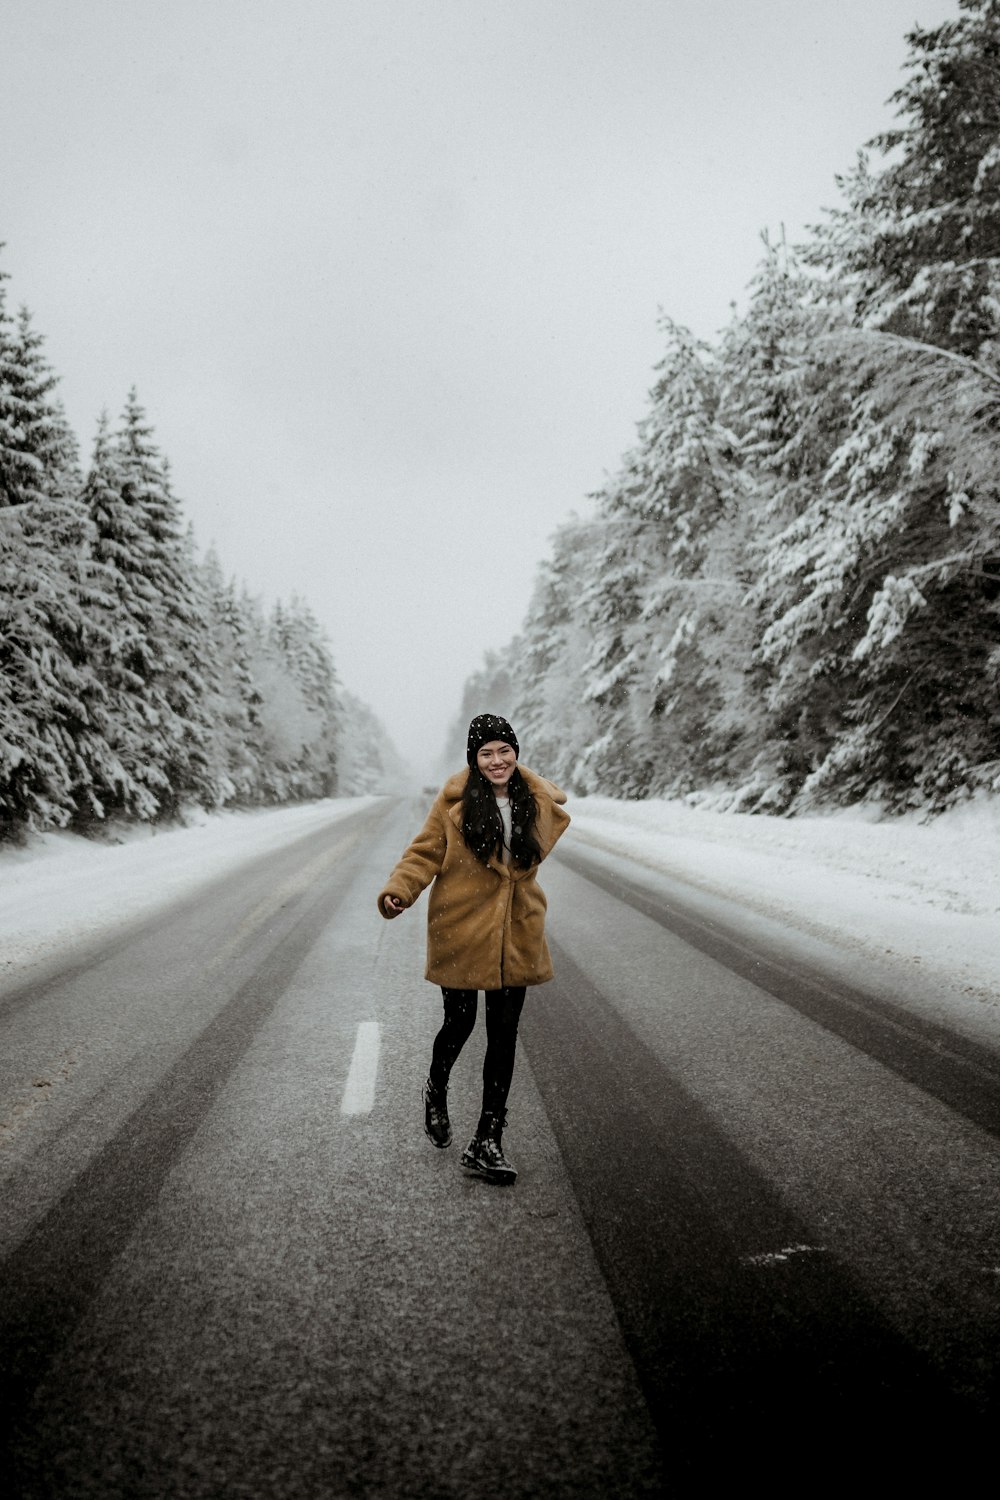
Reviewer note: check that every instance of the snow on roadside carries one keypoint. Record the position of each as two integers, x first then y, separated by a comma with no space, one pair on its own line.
62,889
919,899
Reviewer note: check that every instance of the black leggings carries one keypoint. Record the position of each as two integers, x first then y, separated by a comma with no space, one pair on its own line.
503,1011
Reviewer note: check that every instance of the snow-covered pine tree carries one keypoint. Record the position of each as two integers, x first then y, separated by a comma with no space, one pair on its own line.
233,696
555,723
918,239
51,704
277,710
301,702
157,657
662,585
899,551
788,401
919,537
119,654
610,604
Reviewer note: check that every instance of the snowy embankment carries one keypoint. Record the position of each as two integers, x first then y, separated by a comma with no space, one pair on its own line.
919,902
913,904
62,890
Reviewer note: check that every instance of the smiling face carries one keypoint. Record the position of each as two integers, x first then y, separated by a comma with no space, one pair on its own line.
497,760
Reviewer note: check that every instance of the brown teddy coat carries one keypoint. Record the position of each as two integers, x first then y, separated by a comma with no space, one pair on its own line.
485,923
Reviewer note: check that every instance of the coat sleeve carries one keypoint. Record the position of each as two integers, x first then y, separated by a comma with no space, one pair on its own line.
420,862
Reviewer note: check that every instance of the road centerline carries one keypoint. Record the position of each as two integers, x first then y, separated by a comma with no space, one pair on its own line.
359,1090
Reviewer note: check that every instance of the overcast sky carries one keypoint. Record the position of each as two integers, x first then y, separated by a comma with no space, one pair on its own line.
387,275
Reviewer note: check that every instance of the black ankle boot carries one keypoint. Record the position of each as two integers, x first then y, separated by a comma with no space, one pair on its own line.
484,1156
436,1122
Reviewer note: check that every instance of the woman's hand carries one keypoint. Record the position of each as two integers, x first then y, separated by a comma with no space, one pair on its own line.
392,906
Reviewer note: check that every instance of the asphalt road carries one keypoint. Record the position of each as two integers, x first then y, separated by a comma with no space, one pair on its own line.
754,1237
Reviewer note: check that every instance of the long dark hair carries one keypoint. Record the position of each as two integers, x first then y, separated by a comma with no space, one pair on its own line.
482,827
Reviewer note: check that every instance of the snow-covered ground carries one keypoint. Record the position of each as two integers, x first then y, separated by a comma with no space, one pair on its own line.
919,900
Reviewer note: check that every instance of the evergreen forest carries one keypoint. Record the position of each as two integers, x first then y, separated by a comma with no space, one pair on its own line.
789,592
135,679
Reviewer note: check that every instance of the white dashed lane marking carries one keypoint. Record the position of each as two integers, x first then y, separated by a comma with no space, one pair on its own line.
359,1091
776,1257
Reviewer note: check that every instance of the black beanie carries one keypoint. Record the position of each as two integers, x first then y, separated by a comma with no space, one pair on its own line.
487,727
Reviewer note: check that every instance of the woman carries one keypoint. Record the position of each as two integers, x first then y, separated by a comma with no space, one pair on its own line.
488,831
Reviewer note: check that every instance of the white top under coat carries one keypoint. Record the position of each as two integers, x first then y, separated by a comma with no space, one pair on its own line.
503,806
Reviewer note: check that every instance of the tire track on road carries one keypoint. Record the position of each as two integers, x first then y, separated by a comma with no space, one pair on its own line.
740,1324
954,1069
50,1279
